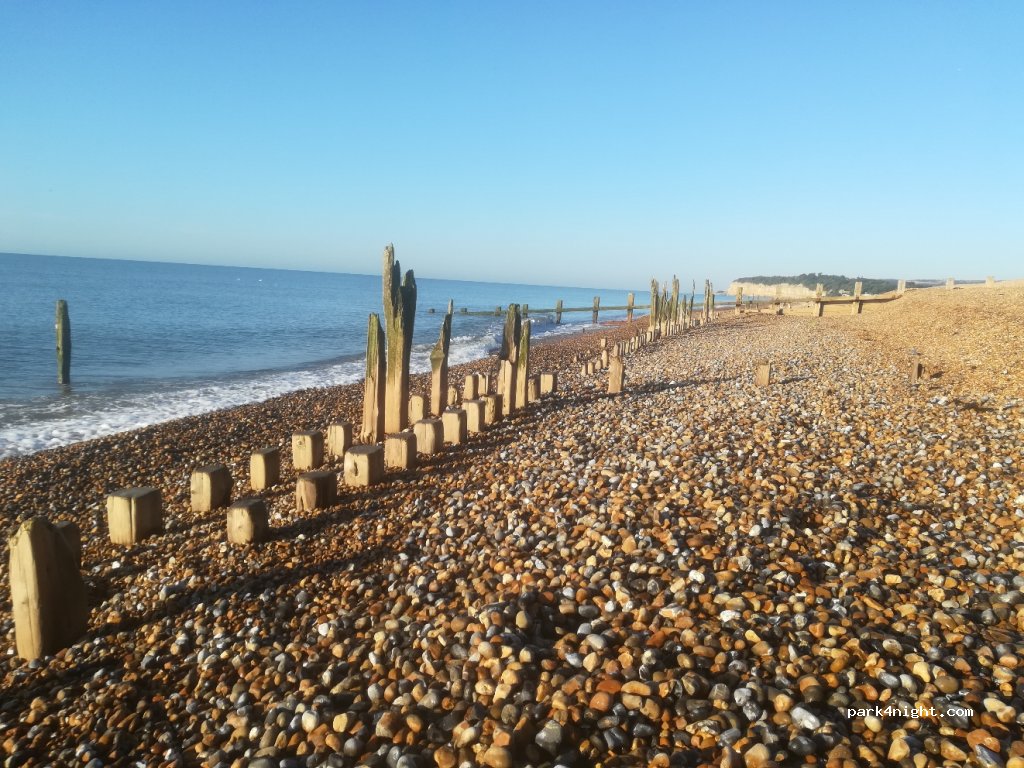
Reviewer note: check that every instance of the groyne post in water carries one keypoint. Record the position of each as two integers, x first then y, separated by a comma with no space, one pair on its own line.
558,312
373,387
48,594
439,365
597,309
399,317
63,327
629,308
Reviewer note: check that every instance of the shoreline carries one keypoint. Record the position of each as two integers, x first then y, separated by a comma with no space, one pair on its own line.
698,567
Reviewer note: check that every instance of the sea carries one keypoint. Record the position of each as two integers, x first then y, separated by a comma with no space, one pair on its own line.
154,341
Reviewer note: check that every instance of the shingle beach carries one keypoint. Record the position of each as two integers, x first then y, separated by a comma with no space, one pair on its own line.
825,571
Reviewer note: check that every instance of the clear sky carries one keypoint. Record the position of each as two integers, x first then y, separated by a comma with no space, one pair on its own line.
580,143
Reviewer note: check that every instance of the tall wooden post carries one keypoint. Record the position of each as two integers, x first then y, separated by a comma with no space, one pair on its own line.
558,312
819,291
509,356
399,316
373,388
439,365
950,283
629,308
652,321
673,307
901,287
597,308
523,367
526,311
739,298
63,326
858,289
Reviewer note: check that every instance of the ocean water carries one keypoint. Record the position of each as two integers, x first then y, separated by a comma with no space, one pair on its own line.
155,341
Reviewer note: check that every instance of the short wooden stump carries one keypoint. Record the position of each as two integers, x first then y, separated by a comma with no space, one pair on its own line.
429,435
133,514
548,383
455,429
417,408
492,409
364,465
339,438
474,415
316,490
210,488
248,521
400,451
307,450
265,468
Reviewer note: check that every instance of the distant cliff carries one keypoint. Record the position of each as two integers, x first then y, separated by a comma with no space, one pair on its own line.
789,290
799,286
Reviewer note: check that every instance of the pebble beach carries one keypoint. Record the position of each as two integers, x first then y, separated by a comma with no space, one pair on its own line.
697,572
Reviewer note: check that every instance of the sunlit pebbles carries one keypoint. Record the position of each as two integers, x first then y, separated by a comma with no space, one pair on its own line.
696,572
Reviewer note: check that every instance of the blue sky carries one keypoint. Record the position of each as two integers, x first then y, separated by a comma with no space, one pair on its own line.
571,143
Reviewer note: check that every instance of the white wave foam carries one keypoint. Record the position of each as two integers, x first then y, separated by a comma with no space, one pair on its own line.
38,425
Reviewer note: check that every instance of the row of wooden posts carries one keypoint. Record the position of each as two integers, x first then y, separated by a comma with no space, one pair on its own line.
48,593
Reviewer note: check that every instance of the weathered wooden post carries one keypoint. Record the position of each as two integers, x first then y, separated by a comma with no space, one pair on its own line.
950,283
548,383
629,307
901,287
689,313
762,373
523,366
339,437
858,289
264,468
673,312
373,388
133,514
652,319
63,326
399,317
48,594
400,450
475,421
364,465
597,308
739,299
916,369
492,409
558,312
819,308
526,310
439,365
210,487
508,358
317,489
455,426
248,521
307,450
417,408
429,435
616,375
470,387
990,281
